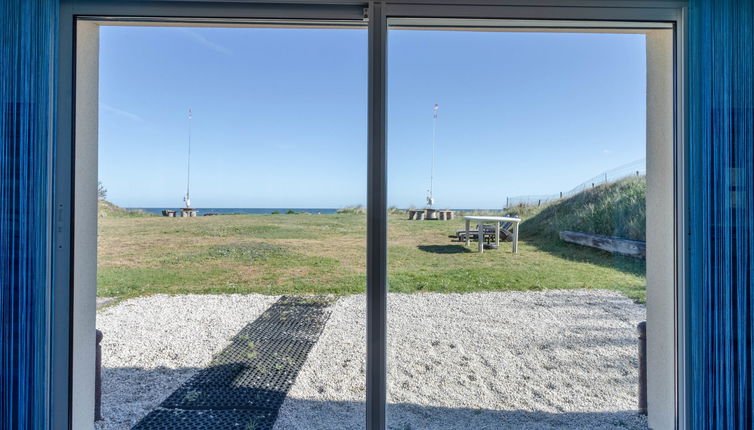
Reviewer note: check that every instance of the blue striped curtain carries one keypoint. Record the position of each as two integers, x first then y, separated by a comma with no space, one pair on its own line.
721,198
28,44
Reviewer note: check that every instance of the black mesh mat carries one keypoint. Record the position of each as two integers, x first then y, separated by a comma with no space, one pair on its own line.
176,419
246,383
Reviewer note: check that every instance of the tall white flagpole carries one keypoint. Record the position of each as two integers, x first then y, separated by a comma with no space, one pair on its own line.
430,199
187,199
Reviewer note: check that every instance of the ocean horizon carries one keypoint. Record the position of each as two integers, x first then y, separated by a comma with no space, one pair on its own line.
267,211
232,211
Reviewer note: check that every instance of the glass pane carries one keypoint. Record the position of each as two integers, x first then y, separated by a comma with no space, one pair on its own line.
517,230
231,252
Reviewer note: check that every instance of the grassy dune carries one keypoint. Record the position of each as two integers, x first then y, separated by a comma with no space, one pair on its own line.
612,209
308,254
110,210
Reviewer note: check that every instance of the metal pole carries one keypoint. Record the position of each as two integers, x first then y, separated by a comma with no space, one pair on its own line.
98,377
376,368
188,163
642,329
432,170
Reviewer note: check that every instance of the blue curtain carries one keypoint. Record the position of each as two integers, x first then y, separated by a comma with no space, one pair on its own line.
27,61
721,198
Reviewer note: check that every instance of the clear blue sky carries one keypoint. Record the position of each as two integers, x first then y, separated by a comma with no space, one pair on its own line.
279,115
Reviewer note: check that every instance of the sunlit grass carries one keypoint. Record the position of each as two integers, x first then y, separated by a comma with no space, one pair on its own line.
326,254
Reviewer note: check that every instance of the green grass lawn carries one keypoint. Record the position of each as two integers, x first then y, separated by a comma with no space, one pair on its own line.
308,254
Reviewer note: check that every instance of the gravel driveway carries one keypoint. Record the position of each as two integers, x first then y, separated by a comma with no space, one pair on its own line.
522,360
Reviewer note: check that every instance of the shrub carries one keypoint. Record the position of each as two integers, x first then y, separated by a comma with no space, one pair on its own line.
356,209
101,191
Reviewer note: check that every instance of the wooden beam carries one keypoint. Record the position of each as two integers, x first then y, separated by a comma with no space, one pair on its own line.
631,248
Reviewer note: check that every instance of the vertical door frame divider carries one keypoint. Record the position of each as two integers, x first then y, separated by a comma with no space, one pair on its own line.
376,383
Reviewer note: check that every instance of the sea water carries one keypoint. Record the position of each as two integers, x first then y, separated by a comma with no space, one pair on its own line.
231,211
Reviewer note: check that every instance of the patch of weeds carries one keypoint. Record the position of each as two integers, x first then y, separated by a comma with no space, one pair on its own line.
274,227
251,352
247,252
192,396
315,300
314,263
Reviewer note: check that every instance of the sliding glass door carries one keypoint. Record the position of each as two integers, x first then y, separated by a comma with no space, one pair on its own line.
231,226
517,224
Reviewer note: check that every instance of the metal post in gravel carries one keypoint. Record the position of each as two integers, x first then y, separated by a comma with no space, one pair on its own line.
98,379
642,329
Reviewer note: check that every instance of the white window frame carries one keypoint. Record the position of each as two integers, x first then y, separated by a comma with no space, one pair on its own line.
74,183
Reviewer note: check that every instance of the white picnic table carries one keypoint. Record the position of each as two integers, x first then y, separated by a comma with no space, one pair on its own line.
497,220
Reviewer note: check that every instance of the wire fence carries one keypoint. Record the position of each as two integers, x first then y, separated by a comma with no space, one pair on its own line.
635,168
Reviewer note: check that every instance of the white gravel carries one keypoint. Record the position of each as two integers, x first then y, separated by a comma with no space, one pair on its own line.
535,360
151,345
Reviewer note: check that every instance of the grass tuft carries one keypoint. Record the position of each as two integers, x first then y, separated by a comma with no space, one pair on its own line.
356,209
248,252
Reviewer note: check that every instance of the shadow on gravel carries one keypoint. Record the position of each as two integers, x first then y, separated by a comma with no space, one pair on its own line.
246,383
298,414
131,393
444,249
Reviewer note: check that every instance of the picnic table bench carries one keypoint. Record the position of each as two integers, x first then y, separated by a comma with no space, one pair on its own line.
497,220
